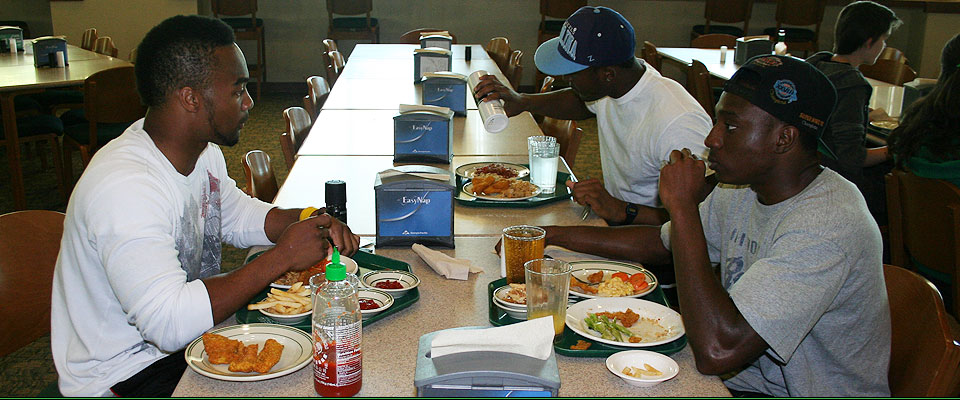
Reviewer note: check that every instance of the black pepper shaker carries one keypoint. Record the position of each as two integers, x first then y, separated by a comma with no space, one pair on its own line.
467,52
336,197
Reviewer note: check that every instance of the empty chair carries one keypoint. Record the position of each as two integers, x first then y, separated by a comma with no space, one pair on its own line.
514,69
698,85
413,36
499,50
261,181
335,67
557,11
298,124
568,136
714,41
650,55
799,13
89,39
889,70
104,45
891,53
725,11
352,28
925,342
41,129
317,93
328,46
245,28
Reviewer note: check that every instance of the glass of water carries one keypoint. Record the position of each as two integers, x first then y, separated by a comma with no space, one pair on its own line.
544,154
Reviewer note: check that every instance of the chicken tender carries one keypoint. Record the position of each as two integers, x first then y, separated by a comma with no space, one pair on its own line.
220,349
269,357
246,361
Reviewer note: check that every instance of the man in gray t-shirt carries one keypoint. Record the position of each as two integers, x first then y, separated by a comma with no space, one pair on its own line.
800,308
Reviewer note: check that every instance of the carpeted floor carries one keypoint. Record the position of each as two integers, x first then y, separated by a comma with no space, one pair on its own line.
26,372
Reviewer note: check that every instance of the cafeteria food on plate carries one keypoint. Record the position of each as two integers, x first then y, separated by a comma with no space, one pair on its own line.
222,350
245,360
626,326
295,300
647,370
619,284
497,169
498,186
291,277
517,294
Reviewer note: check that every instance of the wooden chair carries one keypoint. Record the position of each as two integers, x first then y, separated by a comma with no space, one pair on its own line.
698,85
29,245
335,68
547,84
317,93
89,39
104,45
799,13
499,50
891,53
298,125
328,46
714,41
111,104
924,223
725,11
890,71
133,55
568,135
514,71
413,36
261,181
245,29
925,340
557,11
352,28
650,55
41,129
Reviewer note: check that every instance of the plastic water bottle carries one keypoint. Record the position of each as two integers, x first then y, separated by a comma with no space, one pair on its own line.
337,336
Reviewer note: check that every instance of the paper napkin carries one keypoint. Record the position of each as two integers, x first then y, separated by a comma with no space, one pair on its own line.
449,267
530,338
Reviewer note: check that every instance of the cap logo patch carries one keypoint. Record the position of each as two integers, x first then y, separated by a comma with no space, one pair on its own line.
768,62
784,91
568,43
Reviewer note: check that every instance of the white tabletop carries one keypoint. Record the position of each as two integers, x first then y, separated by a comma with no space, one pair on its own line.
402,51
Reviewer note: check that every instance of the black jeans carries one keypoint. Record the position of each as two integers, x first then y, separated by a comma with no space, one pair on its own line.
157,380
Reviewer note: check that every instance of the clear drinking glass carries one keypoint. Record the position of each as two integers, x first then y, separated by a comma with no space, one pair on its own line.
544,152
548,282
521,243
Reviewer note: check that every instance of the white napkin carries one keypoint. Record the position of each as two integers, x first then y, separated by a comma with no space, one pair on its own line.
530,338
449,267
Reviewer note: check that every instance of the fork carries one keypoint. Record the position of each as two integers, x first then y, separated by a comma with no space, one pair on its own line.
586,208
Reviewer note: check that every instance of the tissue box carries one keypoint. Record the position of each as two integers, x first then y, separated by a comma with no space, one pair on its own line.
445,89
748,47
7,32
423,134
45,50
431,59
412,209
439,40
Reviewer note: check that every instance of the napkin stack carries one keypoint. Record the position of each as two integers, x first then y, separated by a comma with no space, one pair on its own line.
449,267
530,338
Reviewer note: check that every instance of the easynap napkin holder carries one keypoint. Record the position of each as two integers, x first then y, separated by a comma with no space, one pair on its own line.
440,39
431,59
484,373
414,204
750,46
423,133
445,89
45,51
10,32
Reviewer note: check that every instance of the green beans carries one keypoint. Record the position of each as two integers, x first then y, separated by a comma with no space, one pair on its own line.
608,328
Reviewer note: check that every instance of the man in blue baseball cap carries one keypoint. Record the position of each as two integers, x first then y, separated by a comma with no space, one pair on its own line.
641,115
800,306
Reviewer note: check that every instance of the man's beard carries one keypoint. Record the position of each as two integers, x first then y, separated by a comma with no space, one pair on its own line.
228,139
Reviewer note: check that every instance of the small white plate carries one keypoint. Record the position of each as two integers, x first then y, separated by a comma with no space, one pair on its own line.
518,313
351,265
468,190
287,319
469,170
636,358
583,269
297,351
500,294
669,319
383,299
407,279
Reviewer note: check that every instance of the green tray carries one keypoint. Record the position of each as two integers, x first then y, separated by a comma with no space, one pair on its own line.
569,338
367,262
562,192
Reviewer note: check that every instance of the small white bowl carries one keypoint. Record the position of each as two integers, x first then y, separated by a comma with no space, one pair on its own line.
520,314
383,299
407,279
636,358
287,319
498,299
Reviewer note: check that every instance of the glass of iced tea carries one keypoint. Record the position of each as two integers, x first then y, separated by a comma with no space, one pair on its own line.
548,282
521,243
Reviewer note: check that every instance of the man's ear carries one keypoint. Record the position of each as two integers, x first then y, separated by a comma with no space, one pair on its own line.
189,99
788,137
607,74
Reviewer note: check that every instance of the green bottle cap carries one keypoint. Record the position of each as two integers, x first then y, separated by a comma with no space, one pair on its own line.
336,271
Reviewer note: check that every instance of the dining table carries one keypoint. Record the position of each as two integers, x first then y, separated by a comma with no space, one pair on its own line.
19,76
353,142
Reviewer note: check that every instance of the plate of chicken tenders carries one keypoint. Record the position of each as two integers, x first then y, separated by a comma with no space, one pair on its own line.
497,188
250,352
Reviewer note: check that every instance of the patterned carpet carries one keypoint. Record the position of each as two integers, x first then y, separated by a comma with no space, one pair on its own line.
26,372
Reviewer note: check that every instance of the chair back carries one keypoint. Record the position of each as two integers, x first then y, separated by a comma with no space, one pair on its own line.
234,8
110,96
925,341
133,55
328,46
650,55
727,11
698,84
514,69
892,53
335,68
298,124
560,9
891,71
800,12
413,36
89,39
499,50
29,245
261,181
924,224
568,136
350,7
352,28
714,41
317,93
547,84
104,45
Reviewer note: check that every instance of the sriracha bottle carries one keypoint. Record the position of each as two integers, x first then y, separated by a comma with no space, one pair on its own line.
337,350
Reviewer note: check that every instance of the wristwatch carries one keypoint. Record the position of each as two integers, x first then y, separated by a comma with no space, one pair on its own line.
632,211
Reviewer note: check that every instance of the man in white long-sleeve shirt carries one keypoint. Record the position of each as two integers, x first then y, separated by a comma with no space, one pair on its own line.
138,275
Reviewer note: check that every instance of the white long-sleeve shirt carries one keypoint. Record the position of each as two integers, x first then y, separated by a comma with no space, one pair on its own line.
137,237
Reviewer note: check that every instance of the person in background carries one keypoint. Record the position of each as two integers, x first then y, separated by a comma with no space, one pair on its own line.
138,273
800,307
859,37
641,115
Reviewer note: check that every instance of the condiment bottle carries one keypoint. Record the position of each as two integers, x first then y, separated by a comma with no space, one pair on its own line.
781,47
337,336
335,192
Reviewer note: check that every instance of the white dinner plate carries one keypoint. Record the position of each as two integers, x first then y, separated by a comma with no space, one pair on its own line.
469,170
583,269
297,351
669,319
468,189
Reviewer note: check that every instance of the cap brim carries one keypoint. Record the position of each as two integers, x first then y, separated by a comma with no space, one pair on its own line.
550,62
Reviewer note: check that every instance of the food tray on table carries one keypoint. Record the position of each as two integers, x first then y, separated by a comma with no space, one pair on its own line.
562,192
569,338
367,262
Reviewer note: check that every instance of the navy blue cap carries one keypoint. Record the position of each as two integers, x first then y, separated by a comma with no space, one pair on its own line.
591,37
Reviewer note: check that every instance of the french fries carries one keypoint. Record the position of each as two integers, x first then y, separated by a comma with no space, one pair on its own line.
647,370
295,300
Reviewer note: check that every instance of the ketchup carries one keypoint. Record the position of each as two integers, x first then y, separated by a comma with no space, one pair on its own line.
388,284
367,304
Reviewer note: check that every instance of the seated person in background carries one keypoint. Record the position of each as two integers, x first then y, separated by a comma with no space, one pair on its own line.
800,308
641,115
138,274
860,35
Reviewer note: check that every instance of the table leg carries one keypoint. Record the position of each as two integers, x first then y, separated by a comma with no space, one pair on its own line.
13,149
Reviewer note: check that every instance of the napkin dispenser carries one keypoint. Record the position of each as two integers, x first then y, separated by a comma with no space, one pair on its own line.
413,208
10,32
445,89
436,39
431,59
484,374
748,47
423,133
45,51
